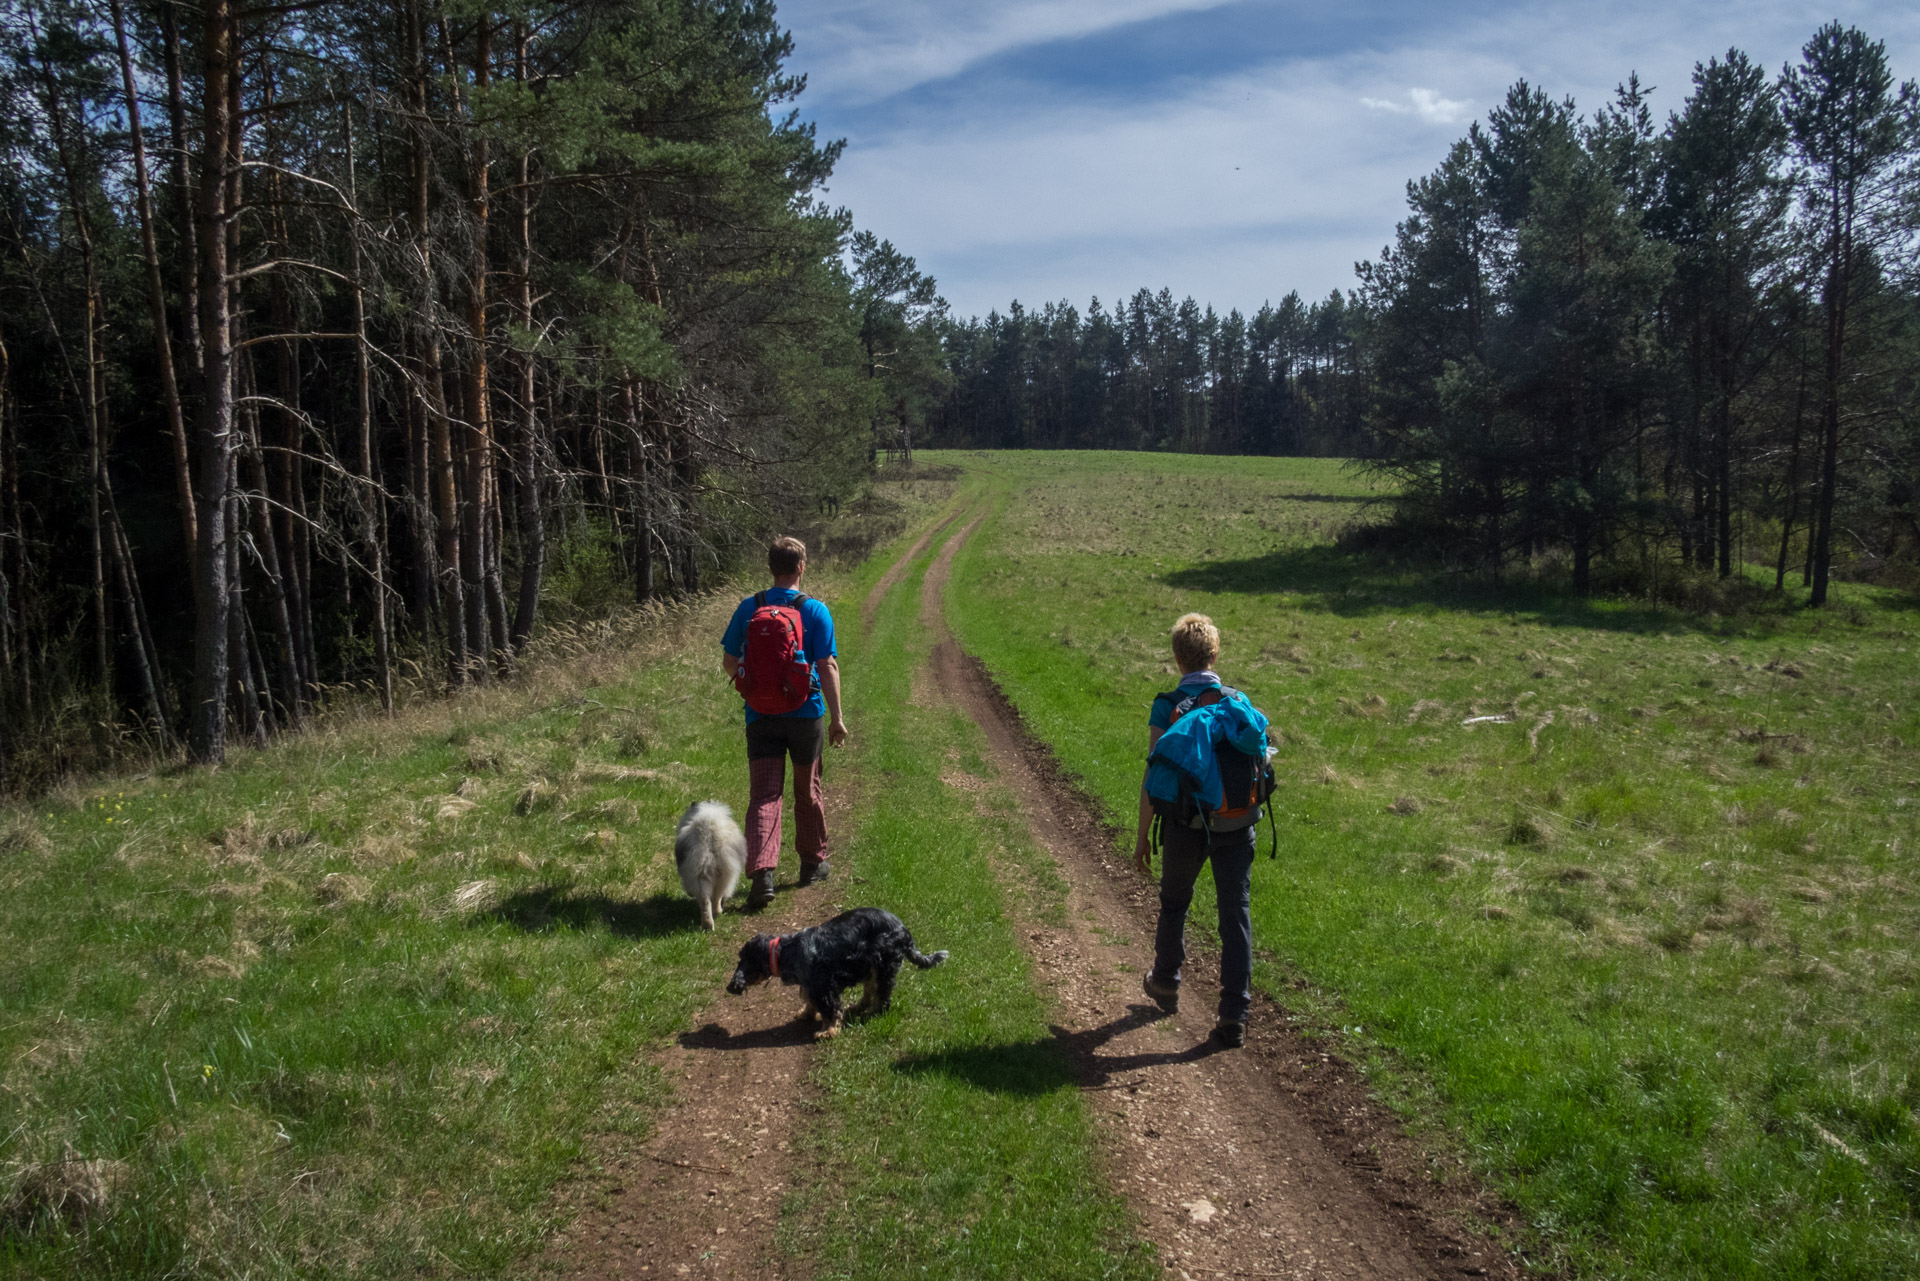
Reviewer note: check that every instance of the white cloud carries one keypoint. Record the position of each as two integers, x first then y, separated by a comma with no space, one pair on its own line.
1425,103
863,50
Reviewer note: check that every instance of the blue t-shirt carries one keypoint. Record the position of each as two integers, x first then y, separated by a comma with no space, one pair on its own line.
816,641
1192,683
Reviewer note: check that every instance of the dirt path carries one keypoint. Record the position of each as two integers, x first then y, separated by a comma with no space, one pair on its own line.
1263,1162
701,1197
897,571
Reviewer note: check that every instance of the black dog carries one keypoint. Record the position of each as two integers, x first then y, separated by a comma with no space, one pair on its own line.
865,945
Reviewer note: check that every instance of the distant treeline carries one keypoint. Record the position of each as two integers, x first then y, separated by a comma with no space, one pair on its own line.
1156,374
1624,343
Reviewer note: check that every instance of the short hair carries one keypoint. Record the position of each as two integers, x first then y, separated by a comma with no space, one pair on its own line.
1196,642
786,556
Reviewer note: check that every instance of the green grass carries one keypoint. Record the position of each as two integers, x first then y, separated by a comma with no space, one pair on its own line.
342,1009
1655,959
354,1006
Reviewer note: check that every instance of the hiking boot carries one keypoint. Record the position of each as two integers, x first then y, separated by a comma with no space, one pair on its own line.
1231,1033
811,872
1165,995
761,892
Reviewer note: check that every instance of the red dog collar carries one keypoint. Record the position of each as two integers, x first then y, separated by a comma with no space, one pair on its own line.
773,955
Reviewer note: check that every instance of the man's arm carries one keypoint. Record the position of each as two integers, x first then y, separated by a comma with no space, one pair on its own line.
1141,849
729,664
830,690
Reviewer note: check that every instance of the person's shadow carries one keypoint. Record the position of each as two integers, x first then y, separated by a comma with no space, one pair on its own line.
1063,1058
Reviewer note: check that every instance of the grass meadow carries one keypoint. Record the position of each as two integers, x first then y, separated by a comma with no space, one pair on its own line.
1646,943
356,1005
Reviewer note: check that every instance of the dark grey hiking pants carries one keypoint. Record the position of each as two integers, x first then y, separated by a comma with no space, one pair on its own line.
1185,851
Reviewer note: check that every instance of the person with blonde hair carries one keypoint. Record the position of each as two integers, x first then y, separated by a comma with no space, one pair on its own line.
779,652
1207,777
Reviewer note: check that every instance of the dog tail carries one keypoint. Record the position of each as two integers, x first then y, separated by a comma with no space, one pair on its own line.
926,962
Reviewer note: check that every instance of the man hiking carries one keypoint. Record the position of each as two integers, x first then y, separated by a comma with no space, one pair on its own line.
1208,774
778,650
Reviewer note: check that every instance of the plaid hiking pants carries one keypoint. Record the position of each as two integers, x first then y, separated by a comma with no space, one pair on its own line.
770,740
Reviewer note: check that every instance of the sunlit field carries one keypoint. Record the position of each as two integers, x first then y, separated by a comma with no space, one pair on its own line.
1625,895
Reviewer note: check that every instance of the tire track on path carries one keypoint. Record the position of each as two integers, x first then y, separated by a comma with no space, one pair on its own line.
898,570
701,1196
1265,1162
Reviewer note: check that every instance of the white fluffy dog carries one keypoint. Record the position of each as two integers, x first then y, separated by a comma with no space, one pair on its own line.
710,851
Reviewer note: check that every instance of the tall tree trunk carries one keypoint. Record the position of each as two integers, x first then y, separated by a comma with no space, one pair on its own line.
213,448
1723,481
477,459
439,458
184,214
533,517
371,502
145,659
1839,270
272,570
1793,482
641,482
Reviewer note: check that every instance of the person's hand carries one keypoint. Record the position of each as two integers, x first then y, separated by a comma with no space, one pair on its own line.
1142,853
837,733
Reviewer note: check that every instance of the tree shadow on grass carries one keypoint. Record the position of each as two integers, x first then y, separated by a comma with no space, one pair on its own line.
556,907
1043,1065
1360,585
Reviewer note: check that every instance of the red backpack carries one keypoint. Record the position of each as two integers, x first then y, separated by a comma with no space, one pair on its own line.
774,675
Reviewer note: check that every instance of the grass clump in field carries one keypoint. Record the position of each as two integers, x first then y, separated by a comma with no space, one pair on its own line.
1633,890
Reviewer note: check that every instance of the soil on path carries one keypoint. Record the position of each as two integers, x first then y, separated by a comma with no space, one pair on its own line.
1269,1161
701,1196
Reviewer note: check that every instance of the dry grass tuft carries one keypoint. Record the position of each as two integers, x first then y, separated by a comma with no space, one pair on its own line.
21,835
1373,705
537,796
618,810
214,967
1786,817
377,850
452,807
1571,875
1424,706
1330,776
1444,865
1808,892
1530,829
474,896
336,888
1404,806
69,1190
1494,912
603,839
484,758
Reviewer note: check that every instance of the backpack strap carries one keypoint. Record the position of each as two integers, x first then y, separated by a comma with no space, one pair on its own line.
759,600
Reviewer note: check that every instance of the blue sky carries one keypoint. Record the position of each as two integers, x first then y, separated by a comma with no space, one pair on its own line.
1047,149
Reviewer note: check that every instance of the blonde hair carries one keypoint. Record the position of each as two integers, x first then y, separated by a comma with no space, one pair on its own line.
1196,642
786,556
